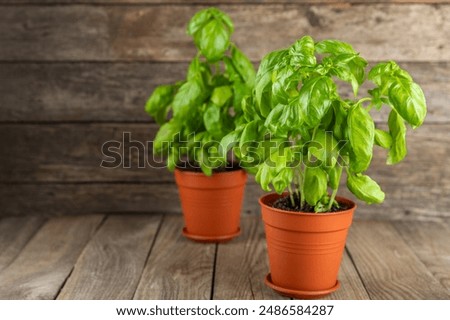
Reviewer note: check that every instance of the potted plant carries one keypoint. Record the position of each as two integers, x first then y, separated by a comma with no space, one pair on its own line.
302,136
202,109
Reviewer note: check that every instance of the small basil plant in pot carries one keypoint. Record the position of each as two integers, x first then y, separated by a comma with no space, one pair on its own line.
202,109
302,137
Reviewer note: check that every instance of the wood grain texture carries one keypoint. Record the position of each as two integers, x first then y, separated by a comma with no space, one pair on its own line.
212,2
352,287
403,202
242,265
73,153
94,33
78,199
82,91
388,266
116,92
44,264
177,267
112,263
15,232
430,242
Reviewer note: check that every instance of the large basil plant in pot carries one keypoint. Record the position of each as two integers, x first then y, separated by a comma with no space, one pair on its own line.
301,138
195,114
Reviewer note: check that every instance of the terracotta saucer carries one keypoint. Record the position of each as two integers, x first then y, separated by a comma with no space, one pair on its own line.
200,238
299,294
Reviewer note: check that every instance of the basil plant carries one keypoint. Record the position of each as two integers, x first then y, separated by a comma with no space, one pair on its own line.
205,106
298,134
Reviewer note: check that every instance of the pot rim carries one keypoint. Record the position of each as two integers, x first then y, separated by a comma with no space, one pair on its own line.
187,172
300,213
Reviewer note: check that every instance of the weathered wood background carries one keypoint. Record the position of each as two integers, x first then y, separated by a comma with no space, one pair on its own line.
75,74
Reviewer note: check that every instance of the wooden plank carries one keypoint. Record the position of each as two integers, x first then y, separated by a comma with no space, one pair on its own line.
430,243
77,199
73,153
98,33
352,287
82,91
15,232
98,91
177,268
212,2
111,264
401,201
242,265
44,264
388,266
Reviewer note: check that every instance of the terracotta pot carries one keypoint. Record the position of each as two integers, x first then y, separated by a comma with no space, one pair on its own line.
305,249
211,205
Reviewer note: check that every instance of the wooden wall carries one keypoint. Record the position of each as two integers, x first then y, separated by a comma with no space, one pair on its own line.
74,74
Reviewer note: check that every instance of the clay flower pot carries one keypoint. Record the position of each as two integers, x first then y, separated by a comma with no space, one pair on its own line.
305,249
211,205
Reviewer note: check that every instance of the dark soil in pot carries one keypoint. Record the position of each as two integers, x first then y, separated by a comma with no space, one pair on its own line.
284,203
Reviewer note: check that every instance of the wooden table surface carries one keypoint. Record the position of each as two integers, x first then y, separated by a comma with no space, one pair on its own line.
146,257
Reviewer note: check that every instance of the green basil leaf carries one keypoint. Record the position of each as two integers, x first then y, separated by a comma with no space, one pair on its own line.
249,136
283,119
333,47
264,176
213,40
302,52
173,159
231,71
221,95
213,121
190,95
198,21
350,68
334,176
223,17
194,69
281,158
284,85
202,158
315,98
268,146
340,120
377,100
273,120
409,101
325,148
165,136
199,69
243,66
263,81
364,188
249,109
383,75
283,180
327,120
383,139
397,130
361,133
158,104
240,91
228,142
315,185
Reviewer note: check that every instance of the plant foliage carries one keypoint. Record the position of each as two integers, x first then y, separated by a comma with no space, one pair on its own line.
312,132
205,106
